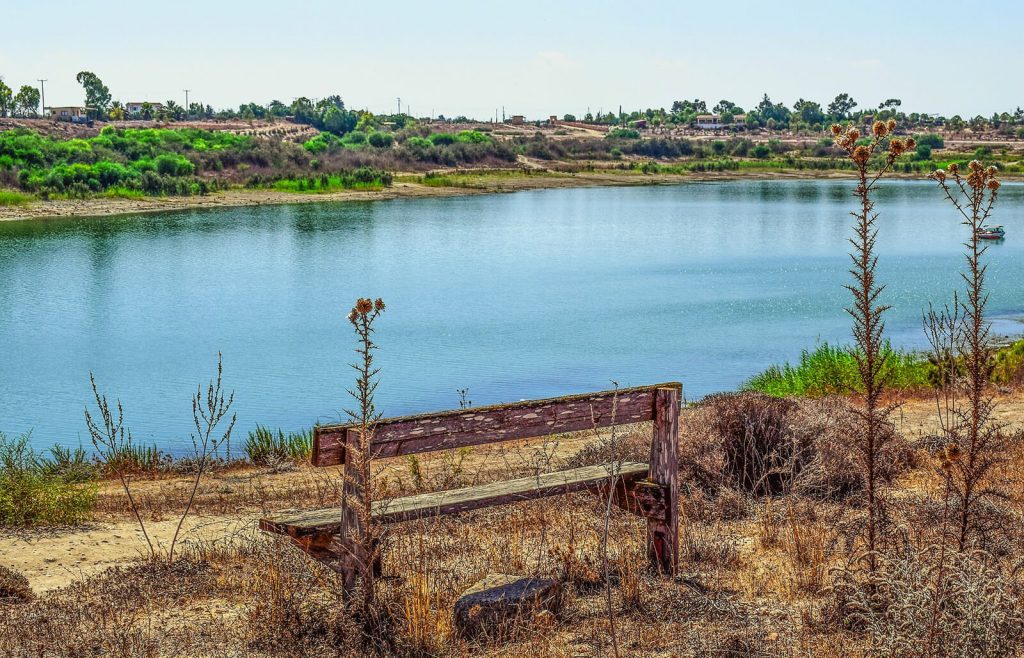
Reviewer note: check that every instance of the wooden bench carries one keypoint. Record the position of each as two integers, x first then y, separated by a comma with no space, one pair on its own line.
649,490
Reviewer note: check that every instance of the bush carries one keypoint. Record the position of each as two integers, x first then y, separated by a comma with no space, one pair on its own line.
381,140
902,608
29,496
830,370
623,133
766,446
761,152
14,586
931,139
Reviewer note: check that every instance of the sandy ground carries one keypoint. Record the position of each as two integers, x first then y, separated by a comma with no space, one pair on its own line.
54,557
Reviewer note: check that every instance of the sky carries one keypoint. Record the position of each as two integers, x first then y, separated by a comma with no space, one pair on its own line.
529,57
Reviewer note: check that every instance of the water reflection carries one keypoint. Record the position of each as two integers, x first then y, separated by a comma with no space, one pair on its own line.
513,296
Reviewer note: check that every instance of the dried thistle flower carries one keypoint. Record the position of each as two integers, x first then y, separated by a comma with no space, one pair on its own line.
993,184
861,154
879,129
939,175
364,306
836,129
891,124
378,305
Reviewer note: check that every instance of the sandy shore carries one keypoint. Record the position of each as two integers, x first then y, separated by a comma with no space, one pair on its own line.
102,207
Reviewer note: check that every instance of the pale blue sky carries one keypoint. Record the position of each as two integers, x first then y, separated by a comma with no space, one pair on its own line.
532,57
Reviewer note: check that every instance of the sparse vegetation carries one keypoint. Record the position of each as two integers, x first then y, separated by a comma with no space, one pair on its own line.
265,446
34,492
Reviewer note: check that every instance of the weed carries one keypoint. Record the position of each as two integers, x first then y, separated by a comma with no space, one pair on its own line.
29,495
266,447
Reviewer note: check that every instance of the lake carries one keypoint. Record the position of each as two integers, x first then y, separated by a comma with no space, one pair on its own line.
511,296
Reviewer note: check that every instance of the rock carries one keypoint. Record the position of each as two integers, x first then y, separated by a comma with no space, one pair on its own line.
14,586
498,602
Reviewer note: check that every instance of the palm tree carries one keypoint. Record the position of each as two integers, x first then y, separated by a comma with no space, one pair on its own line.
116,112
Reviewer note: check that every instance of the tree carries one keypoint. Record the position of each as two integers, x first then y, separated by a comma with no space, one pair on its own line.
117,111
6,99
776,112
175,111
841,107
26,101
809,112
724,106
97,95
891,105
569,117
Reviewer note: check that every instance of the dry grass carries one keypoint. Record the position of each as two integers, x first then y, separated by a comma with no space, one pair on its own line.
761,575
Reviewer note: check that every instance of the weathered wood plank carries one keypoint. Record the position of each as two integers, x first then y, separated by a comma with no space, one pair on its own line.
507,422
440,503
663,533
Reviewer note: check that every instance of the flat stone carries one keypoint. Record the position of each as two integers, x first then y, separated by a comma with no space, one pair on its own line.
499,601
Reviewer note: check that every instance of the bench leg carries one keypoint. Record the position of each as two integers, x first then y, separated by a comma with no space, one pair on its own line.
332,551
663,533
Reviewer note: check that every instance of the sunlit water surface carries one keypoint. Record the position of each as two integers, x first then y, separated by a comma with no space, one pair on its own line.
512,296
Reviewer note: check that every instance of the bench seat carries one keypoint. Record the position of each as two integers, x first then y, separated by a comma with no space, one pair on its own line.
310,523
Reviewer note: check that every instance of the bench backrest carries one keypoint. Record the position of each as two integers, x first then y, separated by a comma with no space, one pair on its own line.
446,430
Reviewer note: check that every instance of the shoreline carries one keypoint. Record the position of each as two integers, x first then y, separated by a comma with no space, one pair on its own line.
488,183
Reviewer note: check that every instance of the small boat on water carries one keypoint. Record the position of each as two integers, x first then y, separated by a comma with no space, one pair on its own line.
991,233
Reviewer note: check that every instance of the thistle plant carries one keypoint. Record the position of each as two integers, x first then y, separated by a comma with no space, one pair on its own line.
975,443
359,547
866,311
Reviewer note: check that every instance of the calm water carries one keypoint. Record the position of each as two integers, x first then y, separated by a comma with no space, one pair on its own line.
511,296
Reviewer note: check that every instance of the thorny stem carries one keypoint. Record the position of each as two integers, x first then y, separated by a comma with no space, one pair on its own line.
868,325
357,501
980,190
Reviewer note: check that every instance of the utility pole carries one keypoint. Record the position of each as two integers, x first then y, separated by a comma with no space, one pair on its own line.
186,102
42,94
399,104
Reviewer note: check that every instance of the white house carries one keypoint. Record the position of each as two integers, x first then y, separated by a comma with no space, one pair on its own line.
135,107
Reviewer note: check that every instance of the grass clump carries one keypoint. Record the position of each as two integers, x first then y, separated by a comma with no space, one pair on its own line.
362,178
830,370
10,198
33,492
264,446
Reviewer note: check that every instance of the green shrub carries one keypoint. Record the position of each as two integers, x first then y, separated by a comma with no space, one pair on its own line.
1008,364
263,446
74,466
30,496
832,370
381,140
12,198
931,139
623,133
442,139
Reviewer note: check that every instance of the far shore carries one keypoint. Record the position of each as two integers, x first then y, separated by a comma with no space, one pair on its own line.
476,183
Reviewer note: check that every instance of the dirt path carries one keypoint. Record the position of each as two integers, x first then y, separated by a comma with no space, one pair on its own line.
52,558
